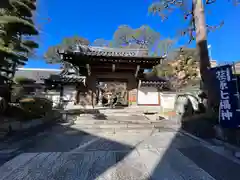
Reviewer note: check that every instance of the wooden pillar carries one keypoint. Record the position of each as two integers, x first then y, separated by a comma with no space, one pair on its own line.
132,90
91,86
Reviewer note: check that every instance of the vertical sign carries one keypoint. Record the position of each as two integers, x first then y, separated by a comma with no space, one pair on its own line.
228,107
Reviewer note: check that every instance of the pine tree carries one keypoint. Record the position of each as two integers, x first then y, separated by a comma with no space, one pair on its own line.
16,31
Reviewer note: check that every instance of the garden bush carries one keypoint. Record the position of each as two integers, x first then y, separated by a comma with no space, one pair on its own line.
201,125
17,113
23,86
36,105
17,93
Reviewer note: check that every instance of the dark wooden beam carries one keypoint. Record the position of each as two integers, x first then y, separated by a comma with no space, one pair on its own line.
117,66
143,61
102,70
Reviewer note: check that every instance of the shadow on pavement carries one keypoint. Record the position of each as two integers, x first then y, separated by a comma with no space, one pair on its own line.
64,139
189,159
89,156
88,153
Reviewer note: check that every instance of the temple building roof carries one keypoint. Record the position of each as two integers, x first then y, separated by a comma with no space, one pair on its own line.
90,59
107,51
36,74
108,55
155,81
65,79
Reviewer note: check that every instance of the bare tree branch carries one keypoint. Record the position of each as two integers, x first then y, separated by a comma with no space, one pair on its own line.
210,1
190,31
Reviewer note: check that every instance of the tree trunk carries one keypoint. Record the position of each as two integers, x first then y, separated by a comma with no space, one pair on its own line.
202,49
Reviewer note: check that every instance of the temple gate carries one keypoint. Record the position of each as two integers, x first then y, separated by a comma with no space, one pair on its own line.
110,65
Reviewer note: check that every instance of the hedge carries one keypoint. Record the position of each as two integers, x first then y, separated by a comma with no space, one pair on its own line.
36,105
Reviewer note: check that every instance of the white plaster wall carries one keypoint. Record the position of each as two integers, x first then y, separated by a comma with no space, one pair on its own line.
167,100
69,93
148,96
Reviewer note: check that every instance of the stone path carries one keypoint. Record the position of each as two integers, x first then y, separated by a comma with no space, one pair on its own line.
67,153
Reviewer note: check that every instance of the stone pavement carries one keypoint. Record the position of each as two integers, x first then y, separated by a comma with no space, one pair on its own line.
69,153
129,156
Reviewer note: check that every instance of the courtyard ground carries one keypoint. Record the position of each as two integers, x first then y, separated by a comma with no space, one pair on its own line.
117,145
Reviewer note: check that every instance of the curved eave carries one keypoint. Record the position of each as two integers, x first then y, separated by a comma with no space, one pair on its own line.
76,57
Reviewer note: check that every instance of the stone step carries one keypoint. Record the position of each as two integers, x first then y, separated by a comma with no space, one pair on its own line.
91,121
112,115
122,126
124,130
112,118
115,120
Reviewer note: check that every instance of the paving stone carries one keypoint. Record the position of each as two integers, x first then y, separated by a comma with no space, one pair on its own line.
163,139
140,125
180,164
8,168
107,145
157,166
84,166
101,126
117,153
22,171
218,166
128,168
41,172
130,139
95,131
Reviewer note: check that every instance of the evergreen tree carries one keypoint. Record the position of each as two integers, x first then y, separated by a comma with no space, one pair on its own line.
16,31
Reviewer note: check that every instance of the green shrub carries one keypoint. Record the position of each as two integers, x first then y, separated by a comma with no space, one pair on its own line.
24,80
201,125
23,86
36,105
17,93
19,114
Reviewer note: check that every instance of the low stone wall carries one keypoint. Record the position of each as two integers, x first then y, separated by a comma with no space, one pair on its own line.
7,127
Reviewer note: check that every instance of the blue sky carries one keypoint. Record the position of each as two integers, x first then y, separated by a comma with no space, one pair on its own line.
94,19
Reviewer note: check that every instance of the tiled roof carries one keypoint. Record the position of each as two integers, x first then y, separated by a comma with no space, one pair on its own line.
66,78
106,51
36,74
